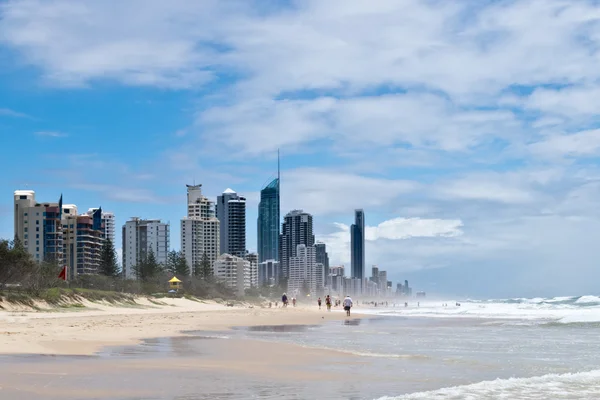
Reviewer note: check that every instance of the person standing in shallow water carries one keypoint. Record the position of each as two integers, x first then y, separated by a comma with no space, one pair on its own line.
347,305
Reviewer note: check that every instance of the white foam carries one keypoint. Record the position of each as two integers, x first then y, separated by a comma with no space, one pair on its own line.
583,385
588,300
558,309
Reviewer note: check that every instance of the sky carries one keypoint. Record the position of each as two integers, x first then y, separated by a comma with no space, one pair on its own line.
467,131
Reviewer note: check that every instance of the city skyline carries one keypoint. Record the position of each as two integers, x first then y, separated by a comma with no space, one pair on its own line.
470,143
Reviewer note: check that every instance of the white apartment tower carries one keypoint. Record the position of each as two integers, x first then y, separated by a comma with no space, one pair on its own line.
304,272
108,221
139,238
38,226
200,230
236,272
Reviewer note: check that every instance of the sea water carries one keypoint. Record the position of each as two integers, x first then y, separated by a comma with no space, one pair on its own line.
492,349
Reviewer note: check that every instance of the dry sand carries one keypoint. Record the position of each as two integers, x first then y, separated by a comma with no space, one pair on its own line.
84,331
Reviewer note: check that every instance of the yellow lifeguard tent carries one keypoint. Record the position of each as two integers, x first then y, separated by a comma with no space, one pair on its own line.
174,284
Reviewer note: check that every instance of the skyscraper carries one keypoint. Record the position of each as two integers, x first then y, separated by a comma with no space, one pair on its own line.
200,230
297,229
323,258
357,246
141,236
268,222
305,274
231,213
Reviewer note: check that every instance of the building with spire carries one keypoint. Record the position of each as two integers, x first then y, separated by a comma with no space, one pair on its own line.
269,218
231,213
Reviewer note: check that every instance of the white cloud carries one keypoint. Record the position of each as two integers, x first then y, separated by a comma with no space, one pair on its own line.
405,228
52,134
397,229
322,191
580,144
11,113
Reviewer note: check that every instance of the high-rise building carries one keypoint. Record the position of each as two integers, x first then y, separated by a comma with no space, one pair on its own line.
357,246
297,229
268,222
303,272
374,273
200,230
382,283
108,221
236,272
140,237
338,270
38,226
268,273
323,258
231,213
83,238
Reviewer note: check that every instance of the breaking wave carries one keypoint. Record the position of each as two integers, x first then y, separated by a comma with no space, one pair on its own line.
583,385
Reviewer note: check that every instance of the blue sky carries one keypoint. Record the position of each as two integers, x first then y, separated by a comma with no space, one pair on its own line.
468,131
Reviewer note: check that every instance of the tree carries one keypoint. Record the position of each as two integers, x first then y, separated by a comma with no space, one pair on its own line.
172,259
197,270
148,268
109,265
181,267
207,271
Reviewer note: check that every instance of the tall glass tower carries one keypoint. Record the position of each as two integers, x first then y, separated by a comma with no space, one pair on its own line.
357,245
269,219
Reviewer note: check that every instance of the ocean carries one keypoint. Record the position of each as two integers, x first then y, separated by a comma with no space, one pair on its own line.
493,349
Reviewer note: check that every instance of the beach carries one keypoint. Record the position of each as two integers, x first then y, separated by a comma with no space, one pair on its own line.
188,350
85,330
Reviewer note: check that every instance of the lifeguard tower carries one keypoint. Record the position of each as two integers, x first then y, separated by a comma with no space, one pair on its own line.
174,285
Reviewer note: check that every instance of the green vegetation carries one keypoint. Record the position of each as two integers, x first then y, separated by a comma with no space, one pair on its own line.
23,280
109,265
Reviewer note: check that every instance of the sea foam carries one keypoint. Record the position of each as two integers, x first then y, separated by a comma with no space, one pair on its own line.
583,385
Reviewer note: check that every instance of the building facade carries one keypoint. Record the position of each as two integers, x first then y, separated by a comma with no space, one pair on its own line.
357,246
268,273
200,230
306,276
140,237
297,229
268,222
231,213
83,238
38,226
235,272
323,258
108,222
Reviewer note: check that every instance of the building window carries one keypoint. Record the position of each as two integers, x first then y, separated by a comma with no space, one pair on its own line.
37,249
25,229
37,229
37,221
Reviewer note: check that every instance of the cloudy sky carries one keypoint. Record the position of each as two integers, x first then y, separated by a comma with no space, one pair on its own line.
468,131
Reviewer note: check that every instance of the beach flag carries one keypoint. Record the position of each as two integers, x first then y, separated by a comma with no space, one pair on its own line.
63,274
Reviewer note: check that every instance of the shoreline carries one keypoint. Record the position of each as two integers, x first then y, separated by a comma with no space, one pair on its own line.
86,331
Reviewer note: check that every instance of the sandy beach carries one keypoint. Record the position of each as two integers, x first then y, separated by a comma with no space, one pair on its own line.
85,330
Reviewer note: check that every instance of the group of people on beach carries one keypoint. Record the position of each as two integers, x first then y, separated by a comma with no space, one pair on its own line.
328,303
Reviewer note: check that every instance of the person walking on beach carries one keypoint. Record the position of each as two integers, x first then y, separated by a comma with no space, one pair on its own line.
347,305
284,300
328,302
319,301
294,301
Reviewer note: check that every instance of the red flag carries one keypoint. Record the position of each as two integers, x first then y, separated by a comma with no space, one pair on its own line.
63,274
